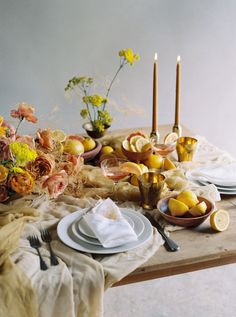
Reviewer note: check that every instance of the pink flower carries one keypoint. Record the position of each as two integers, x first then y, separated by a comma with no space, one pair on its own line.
41,166
73,164
45,139
3,193
29,140
5,152
24,111
55,184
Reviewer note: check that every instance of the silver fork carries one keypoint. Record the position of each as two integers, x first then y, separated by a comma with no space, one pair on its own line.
46,237
35,243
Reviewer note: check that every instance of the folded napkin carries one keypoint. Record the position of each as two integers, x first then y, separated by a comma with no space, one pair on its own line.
108,224
224,175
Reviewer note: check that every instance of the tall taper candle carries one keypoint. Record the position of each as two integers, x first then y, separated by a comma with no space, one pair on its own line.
155,96
177,96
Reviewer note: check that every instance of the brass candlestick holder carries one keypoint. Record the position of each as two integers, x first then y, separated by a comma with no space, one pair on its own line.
155,137
177,129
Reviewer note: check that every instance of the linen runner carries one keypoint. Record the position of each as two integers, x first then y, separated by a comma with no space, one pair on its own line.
76,286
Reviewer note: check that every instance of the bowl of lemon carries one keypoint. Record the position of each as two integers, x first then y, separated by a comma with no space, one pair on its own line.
137,147
185,209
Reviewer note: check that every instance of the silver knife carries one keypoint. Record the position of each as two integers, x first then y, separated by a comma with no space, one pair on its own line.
169,243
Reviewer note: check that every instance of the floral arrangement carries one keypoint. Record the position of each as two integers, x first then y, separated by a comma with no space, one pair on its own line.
95,105
34,164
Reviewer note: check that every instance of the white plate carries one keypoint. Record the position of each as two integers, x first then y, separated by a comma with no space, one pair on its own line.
66,235
210,180
84,228
138,227
221,190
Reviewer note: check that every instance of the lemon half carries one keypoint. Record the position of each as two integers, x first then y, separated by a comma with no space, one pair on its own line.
220,220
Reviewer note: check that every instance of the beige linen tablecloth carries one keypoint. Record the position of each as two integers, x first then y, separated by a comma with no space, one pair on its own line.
75,287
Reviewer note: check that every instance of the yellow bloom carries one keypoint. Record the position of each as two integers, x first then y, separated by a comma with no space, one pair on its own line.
3,173
22,153
17,170
96,100
1,120
129,55
3,131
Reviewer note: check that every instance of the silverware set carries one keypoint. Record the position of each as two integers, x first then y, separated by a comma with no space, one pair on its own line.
36,244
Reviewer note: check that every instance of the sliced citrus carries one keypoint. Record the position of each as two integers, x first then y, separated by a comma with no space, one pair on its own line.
146,147
126,145
220,220
135,138
198,210
136,133
132,148
168,164
58,135
140,143
188,197
170,138
176,207
143,167
134,180
131,167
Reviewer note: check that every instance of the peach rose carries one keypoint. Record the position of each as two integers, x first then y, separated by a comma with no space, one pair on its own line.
41,166
24,111
73,164
5,152
11,129
29,140
21,183
55,184
45,139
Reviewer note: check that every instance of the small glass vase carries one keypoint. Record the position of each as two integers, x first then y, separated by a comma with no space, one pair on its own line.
95,134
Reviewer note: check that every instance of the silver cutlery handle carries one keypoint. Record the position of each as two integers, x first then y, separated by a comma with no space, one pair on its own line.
53,258
172,245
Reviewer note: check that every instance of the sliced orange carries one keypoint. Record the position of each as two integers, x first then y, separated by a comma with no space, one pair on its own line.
141,143
170,138
131,167
168,164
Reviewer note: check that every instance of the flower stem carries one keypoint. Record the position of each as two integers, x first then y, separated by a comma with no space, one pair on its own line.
20,120
109,88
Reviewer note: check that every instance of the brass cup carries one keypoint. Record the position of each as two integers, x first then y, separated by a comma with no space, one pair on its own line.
149,186
186,147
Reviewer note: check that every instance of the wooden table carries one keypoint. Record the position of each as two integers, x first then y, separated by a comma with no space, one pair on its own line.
200,248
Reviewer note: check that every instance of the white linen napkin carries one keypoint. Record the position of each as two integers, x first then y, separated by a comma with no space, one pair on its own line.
224,175
109,225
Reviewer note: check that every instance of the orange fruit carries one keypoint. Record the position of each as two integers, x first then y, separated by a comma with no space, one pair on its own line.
170,138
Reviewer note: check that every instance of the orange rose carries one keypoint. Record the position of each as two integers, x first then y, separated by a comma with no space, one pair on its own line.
21,183
45,139
55,184
41,166
3,173
24,111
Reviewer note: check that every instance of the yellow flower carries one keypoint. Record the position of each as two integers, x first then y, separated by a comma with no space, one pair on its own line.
96,100
22,153
16,169
84,113
3,173
129,55
3,131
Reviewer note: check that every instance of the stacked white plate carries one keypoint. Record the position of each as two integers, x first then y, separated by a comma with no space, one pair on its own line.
74,232
224,178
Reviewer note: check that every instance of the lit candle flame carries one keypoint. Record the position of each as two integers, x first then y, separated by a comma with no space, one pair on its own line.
155,57
178,59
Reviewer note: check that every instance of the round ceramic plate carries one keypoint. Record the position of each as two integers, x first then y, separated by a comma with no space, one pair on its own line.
84,228
65,233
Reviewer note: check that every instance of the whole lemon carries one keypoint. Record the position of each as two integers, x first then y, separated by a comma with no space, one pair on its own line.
89,144
154,161
107,149
73,147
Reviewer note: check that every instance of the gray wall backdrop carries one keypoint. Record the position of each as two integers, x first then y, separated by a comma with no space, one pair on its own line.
44,43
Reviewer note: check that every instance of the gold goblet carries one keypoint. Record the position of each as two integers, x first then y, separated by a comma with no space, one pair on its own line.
186,147
150,185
